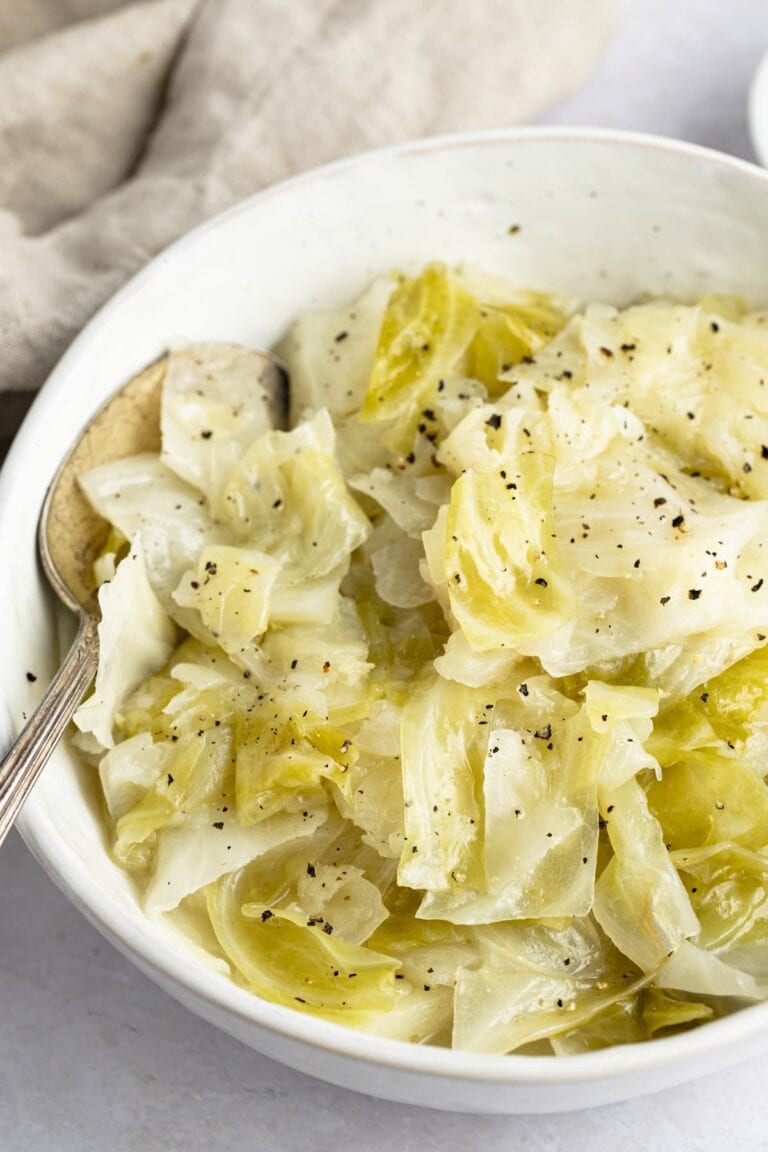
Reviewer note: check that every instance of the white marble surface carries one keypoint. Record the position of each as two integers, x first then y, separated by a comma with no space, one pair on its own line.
94,1057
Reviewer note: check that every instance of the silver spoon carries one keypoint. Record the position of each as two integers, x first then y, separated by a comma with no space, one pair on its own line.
69,538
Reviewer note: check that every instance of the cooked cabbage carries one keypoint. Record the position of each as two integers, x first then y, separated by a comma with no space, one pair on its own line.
215,403
640,900
443,713
135,637
504,579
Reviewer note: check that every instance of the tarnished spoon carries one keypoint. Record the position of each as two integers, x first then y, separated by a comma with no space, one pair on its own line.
70,535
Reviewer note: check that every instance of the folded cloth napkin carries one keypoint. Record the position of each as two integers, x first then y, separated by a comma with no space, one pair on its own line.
124,124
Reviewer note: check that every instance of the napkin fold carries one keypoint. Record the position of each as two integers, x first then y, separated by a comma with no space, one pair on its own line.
122,125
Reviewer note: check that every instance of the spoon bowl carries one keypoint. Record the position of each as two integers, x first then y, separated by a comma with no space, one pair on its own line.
70,533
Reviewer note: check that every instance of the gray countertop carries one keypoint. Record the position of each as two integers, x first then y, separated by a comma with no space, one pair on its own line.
94,1057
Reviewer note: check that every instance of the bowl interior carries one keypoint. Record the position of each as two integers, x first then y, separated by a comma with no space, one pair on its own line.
598,216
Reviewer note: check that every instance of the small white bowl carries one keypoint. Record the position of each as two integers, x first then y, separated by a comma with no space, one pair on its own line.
757,111
600,215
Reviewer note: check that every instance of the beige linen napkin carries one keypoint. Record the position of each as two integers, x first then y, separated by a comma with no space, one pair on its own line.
124,124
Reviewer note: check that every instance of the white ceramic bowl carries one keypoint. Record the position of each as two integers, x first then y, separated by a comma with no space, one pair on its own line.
757,111
601,215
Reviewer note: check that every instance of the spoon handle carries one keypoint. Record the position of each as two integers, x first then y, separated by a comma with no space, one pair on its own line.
42,732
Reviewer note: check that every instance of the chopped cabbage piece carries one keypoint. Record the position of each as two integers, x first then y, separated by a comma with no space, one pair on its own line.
678,361
656,561
427,326
329,355
342,898
702,973
632,1019
443,748
543,785
501,565
285,956
217,399
735,704
128,770
197,853
278,768
135,639
625,714
396,574
509,332
398,494
620,1023
536,981
662,1010
231,588
195,777
321,669
640,901
288,498
461,663
710,796
729,890
548,869
421,1016
141,497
